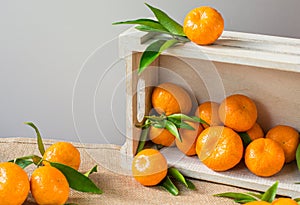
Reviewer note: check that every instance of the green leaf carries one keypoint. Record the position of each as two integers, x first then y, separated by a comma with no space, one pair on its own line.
173,130
169,186
143,139
175,173
181,124
149,23
25,161
297,200
94,169
245,138
167,22
182,117
270,194
190,184
153,51
77,180
237,197
197,119
39,138
150,29
298,157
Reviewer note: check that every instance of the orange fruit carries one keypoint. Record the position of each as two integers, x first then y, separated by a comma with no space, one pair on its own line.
203,25
64,153
238,112
208,111
49,186
219,148
264,157
284,201
149,167
169,98
257,203
161,136
288,138
255,132
14,184
189,139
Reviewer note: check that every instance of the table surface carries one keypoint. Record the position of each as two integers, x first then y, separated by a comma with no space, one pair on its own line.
118,185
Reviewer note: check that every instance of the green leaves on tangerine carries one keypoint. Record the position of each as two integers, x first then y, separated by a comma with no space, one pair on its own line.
153,51
164,24
77,180
172,26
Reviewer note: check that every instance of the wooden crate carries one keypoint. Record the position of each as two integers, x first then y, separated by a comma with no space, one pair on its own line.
265,68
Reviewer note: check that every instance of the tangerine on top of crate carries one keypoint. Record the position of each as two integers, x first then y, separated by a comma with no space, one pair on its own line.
232,47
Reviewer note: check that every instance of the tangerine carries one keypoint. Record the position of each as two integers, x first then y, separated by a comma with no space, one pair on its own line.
264,157
288,138
257,203
219,148
255,132
208,111
49,186
189,139
168,98
149,167
284,201
238,112
14,184
161,136
64,153
203,25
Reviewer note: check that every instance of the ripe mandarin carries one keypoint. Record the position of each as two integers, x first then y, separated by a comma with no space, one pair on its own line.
64,153
264,157
49,186
219,148
238,112
284,201
288,138
169,98
149,167
189,139
14,184
203,25
209,112
161,136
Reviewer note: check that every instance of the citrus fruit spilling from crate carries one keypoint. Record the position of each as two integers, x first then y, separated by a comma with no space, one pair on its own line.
149,167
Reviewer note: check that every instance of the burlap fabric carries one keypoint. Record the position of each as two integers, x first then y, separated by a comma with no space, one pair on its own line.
116,182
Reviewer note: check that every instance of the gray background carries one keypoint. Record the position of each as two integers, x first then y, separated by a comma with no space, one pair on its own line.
59,65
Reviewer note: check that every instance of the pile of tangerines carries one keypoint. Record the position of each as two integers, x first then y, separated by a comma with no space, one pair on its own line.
231,133
47,184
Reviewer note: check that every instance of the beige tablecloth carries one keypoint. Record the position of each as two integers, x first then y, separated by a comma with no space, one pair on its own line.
118,185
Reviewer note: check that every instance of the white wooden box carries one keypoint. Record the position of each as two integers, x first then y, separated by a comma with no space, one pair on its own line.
265,68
